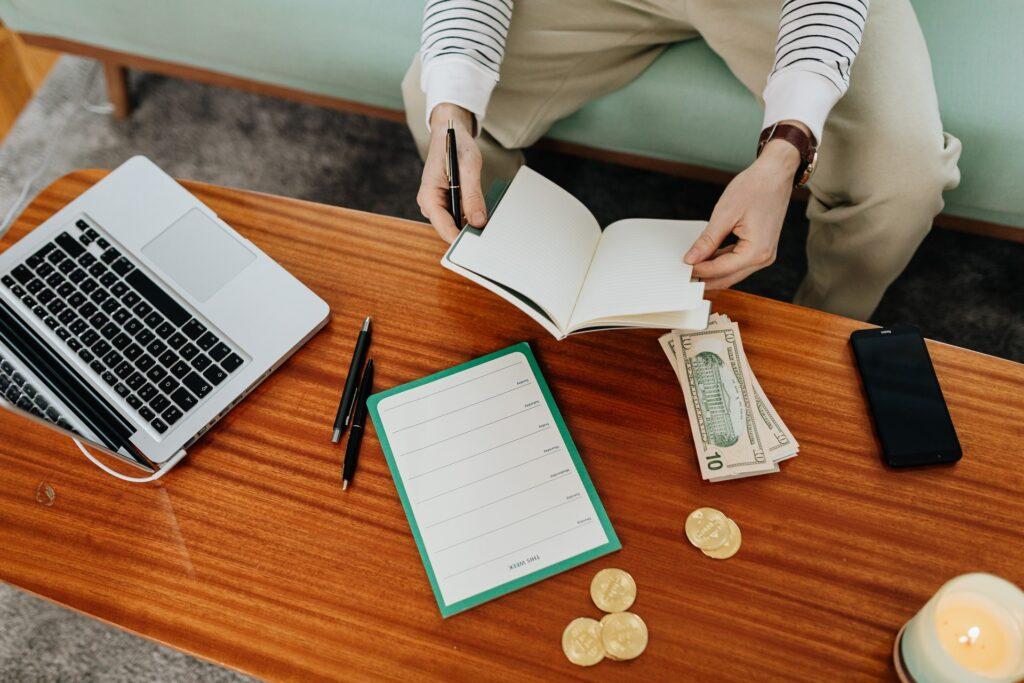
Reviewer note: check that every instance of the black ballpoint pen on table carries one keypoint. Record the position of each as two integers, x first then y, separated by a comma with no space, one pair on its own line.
355,436
451,169
344,416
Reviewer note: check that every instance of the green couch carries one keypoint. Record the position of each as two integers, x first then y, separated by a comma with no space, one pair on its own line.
358,51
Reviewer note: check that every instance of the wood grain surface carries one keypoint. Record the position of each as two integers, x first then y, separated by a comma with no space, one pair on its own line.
250,555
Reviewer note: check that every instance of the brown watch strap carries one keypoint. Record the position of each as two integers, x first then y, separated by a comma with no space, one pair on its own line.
803,142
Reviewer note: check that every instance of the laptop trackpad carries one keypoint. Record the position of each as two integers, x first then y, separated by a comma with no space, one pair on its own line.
199,255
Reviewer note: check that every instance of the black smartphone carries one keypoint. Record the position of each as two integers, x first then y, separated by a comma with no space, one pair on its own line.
906,401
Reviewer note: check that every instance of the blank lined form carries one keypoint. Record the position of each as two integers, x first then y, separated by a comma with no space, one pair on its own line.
495,494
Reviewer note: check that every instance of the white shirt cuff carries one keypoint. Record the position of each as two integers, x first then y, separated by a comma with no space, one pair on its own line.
803,96
456,80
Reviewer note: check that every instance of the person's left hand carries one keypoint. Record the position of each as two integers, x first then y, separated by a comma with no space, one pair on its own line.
752,207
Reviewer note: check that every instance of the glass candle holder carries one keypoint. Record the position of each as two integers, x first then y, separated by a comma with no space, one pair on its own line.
970,631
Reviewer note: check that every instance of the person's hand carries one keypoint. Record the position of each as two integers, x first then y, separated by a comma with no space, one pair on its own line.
752,207
433,195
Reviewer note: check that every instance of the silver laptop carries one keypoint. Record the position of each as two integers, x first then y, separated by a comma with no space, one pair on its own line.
134,318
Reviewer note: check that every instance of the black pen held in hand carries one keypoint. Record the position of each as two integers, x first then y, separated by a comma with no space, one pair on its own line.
451,169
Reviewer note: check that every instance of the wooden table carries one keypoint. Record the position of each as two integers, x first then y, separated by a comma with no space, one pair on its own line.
249,554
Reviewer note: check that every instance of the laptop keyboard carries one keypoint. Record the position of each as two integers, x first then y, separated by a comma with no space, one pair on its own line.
162,360
16,389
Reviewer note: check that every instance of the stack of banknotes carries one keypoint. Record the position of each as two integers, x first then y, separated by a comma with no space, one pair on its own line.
735,428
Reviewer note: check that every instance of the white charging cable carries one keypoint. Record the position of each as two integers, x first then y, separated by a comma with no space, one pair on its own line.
175,459
84,103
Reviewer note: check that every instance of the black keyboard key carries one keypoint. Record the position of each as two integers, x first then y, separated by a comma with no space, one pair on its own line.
165,330
119,289
63,333
39,311
215,374
134,401
97,366
157,347
55,280
168,359
99,296
176,340
147,391
124,370
201,362
44,269
104,244
132,327
121,315
76,300
153,293
65,290
81,224
101,348
109,378
98,320
197,385
29,391
92,234
66,266
74,344
194,329
121,341
87,309
180,369
207,341
5,383
185,400
156,373
108,279
110,305
153,320
13,394
110,255
122,389
133,351
168,385
25,403
219,351
86,260
145,362
8,281
85,240
123,266
77,275
159,425
45,296
68,244
51,322
42,402
136,380
97,269
145,336
172,415
6,367
56,256
67,316
56,306
188,351
88,285
110,330
159,403
80,328
86,355
142,309
146,413
34,286
113,359
18,291
130,299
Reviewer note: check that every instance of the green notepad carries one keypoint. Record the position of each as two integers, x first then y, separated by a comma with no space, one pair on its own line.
493,486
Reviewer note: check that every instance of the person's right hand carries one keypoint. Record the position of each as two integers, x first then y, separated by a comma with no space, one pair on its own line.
433,194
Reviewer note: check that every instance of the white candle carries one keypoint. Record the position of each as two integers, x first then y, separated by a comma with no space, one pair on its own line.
971,631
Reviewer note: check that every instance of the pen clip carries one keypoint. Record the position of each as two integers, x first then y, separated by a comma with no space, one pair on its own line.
448,151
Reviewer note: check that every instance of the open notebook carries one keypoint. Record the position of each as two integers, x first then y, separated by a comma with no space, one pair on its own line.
545,253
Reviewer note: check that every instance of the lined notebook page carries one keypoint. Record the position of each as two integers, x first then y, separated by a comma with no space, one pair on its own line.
489,485
539,242
638,269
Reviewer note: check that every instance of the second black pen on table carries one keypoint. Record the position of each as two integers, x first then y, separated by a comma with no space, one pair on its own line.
348,395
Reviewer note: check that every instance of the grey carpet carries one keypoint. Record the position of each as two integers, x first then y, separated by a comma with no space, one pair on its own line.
962,289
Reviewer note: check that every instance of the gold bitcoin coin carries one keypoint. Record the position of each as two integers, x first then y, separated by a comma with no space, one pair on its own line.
624,635
581,642
730,548
707,528
613,590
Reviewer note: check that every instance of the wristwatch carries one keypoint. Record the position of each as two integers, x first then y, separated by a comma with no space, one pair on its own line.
804,144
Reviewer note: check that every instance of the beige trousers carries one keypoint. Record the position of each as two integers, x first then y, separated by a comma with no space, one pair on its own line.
884,159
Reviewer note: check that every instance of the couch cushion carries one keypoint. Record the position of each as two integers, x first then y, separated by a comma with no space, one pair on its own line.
691,108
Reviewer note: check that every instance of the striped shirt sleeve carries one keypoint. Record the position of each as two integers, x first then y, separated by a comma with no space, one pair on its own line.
461,49
818,41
